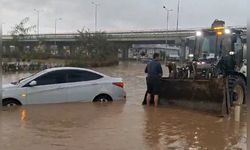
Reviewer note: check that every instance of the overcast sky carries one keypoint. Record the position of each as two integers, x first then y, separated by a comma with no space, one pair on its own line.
121,15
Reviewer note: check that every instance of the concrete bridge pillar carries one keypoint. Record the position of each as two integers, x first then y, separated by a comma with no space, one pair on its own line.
124,47
73,49
60,49
124,54
7,51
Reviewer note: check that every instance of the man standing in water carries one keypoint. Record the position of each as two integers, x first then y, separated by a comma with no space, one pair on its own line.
154,73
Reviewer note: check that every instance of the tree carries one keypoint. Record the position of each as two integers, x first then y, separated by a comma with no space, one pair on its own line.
94,49
18,33
21,29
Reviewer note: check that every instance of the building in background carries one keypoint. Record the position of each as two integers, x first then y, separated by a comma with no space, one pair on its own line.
146,51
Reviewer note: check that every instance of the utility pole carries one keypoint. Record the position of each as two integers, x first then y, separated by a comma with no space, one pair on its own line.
96,13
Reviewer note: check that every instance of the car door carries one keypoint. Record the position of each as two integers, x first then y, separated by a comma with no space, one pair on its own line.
82,85
50,88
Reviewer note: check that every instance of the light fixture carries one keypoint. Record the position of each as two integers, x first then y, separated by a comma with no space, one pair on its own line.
198,33
231,53
227,31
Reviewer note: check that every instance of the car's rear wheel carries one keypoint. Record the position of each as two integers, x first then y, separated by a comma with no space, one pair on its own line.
11,103
103,98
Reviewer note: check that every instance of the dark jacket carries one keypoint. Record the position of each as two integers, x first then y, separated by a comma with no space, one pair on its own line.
153,69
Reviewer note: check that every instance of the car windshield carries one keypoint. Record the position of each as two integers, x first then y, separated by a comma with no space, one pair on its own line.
207,46
25,78
22,80
211,46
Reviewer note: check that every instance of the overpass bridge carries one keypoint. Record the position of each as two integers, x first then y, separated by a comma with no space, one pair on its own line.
132,36
129,36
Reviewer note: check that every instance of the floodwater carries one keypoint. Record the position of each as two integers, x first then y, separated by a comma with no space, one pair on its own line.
118,125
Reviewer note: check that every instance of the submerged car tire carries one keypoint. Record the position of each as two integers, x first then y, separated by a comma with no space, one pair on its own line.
11,103
103,98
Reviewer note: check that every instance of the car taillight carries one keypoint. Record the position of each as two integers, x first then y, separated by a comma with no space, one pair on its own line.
119,84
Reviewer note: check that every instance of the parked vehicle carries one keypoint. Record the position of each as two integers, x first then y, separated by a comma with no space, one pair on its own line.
173,57
63,84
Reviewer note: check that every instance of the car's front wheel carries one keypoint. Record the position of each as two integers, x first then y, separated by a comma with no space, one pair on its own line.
11,103
102,98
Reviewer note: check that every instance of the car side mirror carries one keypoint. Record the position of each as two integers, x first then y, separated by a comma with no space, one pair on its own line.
33,83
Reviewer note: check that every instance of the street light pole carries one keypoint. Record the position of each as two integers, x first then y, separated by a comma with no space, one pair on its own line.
178,11
96,12
2,28
57,19
38,15
168,10
168,17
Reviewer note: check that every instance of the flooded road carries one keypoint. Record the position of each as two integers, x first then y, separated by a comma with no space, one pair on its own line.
117,125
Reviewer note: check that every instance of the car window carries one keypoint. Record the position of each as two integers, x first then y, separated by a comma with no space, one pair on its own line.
78,76
55,77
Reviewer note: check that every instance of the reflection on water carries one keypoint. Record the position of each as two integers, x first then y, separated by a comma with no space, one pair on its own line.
117,125
24,115
173,128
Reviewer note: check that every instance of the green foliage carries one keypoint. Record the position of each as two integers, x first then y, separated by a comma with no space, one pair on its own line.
22,29
18,32
90,49
94,49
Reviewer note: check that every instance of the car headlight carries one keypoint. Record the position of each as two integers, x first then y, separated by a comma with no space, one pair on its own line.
227,31
191,55
198,33
231,53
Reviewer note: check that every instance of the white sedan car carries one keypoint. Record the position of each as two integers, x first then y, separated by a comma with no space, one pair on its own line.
63,84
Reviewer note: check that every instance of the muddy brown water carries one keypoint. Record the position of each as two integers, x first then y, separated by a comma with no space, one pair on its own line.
118,125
